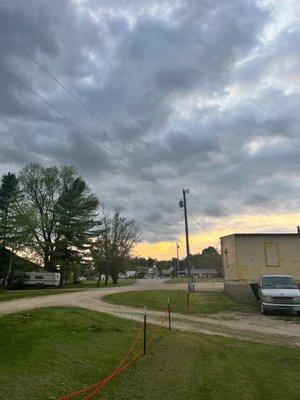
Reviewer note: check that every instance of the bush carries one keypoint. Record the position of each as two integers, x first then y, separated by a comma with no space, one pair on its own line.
19,285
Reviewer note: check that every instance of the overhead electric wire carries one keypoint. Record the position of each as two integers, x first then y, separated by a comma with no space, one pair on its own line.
201,226
80,129
28,54
83,130
87,108
74,96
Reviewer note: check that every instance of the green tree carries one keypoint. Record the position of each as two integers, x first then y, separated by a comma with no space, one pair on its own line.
99,263
19,237
14,223
8,193
64,213
115,243
209,250
210,258
150,262
77,210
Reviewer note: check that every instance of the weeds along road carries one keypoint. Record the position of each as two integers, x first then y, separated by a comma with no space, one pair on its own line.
255,327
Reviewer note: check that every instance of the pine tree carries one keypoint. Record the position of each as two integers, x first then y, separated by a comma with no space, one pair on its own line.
78,225
8,193
64,213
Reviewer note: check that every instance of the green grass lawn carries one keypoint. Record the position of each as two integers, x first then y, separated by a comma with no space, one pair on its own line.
38,291
93,284
49,352
6,295
201,302
199,280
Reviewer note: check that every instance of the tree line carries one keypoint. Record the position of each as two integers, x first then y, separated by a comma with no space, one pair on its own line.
209,258
51,214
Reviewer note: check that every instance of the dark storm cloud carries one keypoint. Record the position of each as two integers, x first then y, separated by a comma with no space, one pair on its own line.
186,93
215,211
156,60
153,217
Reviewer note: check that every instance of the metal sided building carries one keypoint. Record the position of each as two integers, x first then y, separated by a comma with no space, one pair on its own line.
247,256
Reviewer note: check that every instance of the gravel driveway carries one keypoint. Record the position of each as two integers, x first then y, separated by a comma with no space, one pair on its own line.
255,327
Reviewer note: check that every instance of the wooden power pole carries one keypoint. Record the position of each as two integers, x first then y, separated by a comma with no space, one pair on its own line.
183,204
177,254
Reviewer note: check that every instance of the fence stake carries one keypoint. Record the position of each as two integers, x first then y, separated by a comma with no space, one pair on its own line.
169,314
145,329
188,305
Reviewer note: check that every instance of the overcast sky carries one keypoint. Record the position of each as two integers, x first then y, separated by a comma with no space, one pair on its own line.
199,94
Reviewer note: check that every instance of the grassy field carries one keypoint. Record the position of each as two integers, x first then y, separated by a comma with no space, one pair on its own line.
93,284
199,280
201,302
38,291
6,295
47,353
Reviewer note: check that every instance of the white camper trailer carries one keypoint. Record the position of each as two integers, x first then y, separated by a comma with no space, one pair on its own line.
41,278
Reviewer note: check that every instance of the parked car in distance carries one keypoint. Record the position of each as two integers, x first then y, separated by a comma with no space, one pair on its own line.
79,279
279,292
41,278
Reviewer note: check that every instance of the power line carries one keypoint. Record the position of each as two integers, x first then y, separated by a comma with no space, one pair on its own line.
74,96
80,129
28,54
90,110
201,226
87,108
84,131
57,110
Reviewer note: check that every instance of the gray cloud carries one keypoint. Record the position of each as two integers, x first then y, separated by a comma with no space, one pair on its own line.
195,93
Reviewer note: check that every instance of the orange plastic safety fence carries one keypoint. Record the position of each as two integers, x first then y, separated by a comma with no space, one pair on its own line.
96,387
160,326
87,388
105,381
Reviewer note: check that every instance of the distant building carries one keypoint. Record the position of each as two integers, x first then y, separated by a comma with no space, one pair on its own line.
153,271
246,256
147,272
142,272
167,272
130,274
198,272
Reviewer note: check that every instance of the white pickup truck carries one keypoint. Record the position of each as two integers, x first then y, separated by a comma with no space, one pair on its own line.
279,292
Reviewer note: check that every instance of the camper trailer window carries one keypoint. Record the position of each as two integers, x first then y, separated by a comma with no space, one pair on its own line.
39,277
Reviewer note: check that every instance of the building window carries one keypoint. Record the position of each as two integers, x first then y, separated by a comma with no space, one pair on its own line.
271,252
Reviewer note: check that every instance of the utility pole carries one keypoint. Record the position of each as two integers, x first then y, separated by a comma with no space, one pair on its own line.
177,252
182,203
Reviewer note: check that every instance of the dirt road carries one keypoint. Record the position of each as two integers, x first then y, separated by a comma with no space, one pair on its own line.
255,327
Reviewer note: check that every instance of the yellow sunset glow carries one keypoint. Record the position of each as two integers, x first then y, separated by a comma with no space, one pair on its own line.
284,222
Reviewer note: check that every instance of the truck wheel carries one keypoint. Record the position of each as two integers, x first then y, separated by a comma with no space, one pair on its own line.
263,310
